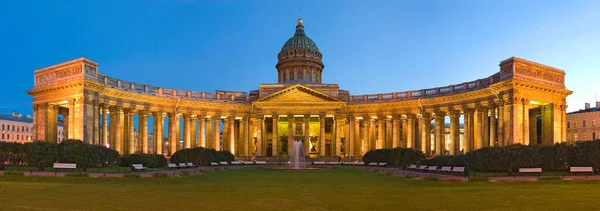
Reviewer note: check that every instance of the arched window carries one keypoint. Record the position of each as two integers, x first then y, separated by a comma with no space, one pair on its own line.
299,75
314,78
291,76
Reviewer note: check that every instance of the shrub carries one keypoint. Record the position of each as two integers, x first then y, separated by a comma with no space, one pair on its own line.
160,175
479,179
398,156
550,178
14,173
40,153
77,175
132,176
431,178
201,155
147,160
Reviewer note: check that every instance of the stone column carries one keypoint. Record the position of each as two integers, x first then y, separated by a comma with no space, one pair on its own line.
454,132
425,129
356,137
514,121
173,137
275,143
380,132
159,121
478,127
259,126
525,124
338,135
322,117
410,131
194,132
372,133
143,131
365,140
187,133
467,130
389,143
493,125
306,134
349,149
209,133
395,131
105,126
202,130
501,123
217,132
116,115
130,132
231,122
96,123
440,133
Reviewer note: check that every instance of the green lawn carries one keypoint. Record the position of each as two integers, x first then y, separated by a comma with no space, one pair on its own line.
257,189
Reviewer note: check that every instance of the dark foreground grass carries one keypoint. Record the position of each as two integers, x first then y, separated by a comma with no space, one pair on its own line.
256,189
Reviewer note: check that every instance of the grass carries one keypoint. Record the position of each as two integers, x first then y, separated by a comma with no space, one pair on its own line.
257,189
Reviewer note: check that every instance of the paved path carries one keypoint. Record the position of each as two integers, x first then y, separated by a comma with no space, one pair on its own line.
141,173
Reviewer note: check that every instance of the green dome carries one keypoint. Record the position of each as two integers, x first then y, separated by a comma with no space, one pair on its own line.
300,40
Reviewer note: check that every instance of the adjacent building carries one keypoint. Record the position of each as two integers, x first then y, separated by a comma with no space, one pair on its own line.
19,128
511,106
581,125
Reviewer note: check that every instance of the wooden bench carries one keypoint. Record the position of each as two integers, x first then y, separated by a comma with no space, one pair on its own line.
372,164
422,167
381,164
333,163
248,162
135,167
412,167
214,164
347,163
458,169
530,170
261,162
172,165
224,163
190,165
236,163
446,168
183,165
319,163
581,169
59,166
360,163
432,168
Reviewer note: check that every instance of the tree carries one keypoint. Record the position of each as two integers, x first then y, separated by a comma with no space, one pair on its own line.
41,153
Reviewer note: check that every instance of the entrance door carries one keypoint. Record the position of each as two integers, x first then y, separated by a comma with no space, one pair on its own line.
328,150
269,150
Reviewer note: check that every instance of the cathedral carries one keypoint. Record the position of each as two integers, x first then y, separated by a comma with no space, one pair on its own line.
522,103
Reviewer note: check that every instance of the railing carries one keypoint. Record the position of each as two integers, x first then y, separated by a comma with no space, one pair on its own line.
221,96
428,93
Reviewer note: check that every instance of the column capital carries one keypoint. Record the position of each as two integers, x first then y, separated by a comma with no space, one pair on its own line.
231,118
481,108
115,108
322,114
187,116
454,113
425,115
307,116
290,115
467,109
143,112
440,113
411,116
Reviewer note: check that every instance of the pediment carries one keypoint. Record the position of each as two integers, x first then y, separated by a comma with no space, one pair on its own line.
298,93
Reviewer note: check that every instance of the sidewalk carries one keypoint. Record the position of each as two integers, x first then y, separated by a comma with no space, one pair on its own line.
141,173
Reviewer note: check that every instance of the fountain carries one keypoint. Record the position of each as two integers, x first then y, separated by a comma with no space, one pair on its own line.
297,160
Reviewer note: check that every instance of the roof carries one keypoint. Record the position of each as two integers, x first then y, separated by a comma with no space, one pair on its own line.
10,117
300,40
585,110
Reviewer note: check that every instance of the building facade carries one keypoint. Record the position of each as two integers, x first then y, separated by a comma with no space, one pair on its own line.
19,128
581,125
499,110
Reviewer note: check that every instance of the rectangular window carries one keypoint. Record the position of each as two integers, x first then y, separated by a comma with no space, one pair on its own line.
17,137
2,135
593,136
583,123
574,124
568,124
269,127
13,128
593,123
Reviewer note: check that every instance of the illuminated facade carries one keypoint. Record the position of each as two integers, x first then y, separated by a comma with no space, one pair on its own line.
581,125
498,110
19,128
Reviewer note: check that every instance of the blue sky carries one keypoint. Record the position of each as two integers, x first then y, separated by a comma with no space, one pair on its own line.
368,46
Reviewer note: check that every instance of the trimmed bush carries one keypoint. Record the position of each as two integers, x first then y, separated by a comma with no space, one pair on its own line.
147,160
401,157
201,155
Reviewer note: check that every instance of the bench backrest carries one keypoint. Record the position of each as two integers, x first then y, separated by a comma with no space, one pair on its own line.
530,170
319,162
235,163
348,163
65,165
581,169
248,162
458,169
382,164
432,168
446,168
214,164
372,164
412,166
360,163
190,164
137,166
172,165
261,162
224,163
422,167
333,163
182,164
